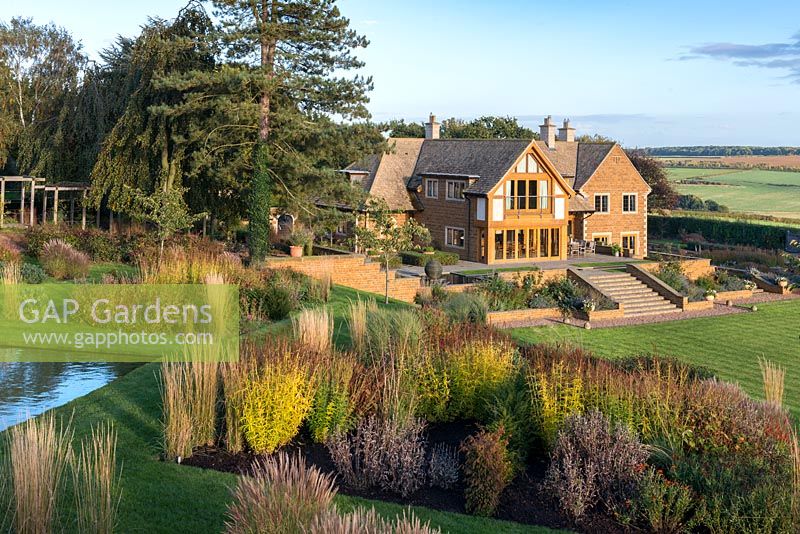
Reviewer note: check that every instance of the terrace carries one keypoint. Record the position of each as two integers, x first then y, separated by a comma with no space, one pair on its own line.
471,268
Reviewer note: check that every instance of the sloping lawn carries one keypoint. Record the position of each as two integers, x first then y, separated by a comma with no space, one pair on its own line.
166,497
729,345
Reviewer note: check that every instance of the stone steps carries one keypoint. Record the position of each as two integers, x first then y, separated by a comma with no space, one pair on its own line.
636,298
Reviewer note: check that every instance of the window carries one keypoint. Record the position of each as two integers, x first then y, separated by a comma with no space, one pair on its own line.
455,189
601,203
454,237
629,203
431,188
629,242
523,194
602,239
527,165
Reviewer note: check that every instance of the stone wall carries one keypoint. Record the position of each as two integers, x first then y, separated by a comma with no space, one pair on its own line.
351,270
693,269
503,318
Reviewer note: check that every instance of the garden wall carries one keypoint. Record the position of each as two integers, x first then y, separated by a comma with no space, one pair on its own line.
502,318
692,268
722,296
353,271
547,274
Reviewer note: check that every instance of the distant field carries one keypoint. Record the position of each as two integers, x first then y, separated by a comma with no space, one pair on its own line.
736,161
773,193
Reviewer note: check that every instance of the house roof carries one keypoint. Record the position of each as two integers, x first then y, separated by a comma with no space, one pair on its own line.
578,203
590,156
487,159
387,174
564,156
576,162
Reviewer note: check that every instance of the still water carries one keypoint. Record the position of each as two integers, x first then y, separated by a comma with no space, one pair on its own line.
28,389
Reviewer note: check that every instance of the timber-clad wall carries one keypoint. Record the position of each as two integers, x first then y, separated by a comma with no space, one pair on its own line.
351,270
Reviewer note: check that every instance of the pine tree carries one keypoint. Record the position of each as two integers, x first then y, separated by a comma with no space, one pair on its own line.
293,48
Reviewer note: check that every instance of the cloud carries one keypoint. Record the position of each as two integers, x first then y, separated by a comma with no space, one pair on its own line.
782,56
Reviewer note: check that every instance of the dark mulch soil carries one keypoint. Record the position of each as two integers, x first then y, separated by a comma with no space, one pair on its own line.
523,501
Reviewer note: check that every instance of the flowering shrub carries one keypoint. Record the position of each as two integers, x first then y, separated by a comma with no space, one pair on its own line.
594,463
383,453
443,467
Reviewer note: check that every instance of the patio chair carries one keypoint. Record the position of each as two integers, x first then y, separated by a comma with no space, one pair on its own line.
575,247
588,246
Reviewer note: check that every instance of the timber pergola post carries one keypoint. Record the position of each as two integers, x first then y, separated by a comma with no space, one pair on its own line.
65,187
23,181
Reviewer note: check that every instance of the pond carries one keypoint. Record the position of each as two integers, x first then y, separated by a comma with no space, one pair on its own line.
28,389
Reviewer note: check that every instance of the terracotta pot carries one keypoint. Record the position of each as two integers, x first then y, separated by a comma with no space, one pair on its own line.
295,251
710,298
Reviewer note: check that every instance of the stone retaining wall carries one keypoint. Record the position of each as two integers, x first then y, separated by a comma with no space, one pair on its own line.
351,270
502,318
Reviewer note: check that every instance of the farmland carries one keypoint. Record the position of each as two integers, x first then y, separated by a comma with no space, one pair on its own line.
775,193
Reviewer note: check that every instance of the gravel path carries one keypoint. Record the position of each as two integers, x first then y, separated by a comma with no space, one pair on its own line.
740,306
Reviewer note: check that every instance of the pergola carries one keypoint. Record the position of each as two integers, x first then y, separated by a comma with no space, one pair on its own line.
34,184
65,187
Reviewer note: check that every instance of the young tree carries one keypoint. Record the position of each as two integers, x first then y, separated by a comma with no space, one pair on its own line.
384,238
167,211
293,50
663,195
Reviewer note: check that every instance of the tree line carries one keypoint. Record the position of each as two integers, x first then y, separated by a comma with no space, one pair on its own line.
716,151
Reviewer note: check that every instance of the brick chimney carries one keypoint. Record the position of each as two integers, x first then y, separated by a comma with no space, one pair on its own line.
547,132
432,128
566,133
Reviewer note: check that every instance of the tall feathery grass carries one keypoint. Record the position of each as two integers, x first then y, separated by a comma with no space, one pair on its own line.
12,273
189,394
39,453
313,329
357,314
179,266
283,495
96,482
234,377
773,376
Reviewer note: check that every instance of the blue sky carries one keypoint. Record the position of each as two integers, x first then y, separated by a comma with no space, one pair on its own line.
646,73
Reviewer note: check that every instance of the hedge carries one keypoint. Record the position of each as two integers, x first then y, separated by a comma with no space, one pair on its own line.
729,232
419,259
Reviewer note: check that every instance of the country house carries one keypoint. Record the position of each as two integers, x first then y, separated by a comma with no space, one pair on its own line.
506,200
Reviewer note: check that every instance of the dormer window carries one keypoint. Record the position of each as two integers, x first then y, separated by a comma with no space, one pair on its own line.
455,189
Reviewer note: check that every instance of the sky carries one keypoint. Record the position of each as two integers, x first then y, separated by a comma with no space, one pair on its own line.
645,73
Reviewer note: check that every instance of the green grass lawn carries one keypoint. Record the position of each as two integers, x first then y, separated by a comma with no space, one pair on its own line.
755,191
729,345
166,497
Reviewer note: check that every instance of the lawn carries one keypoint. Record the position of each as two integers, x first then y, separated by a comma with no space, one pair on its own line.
774,193
729,345
166,497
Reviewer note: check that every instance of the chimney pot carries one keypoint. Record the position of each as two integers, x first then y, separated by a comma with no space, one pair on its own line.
547,132
432,128
566,133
